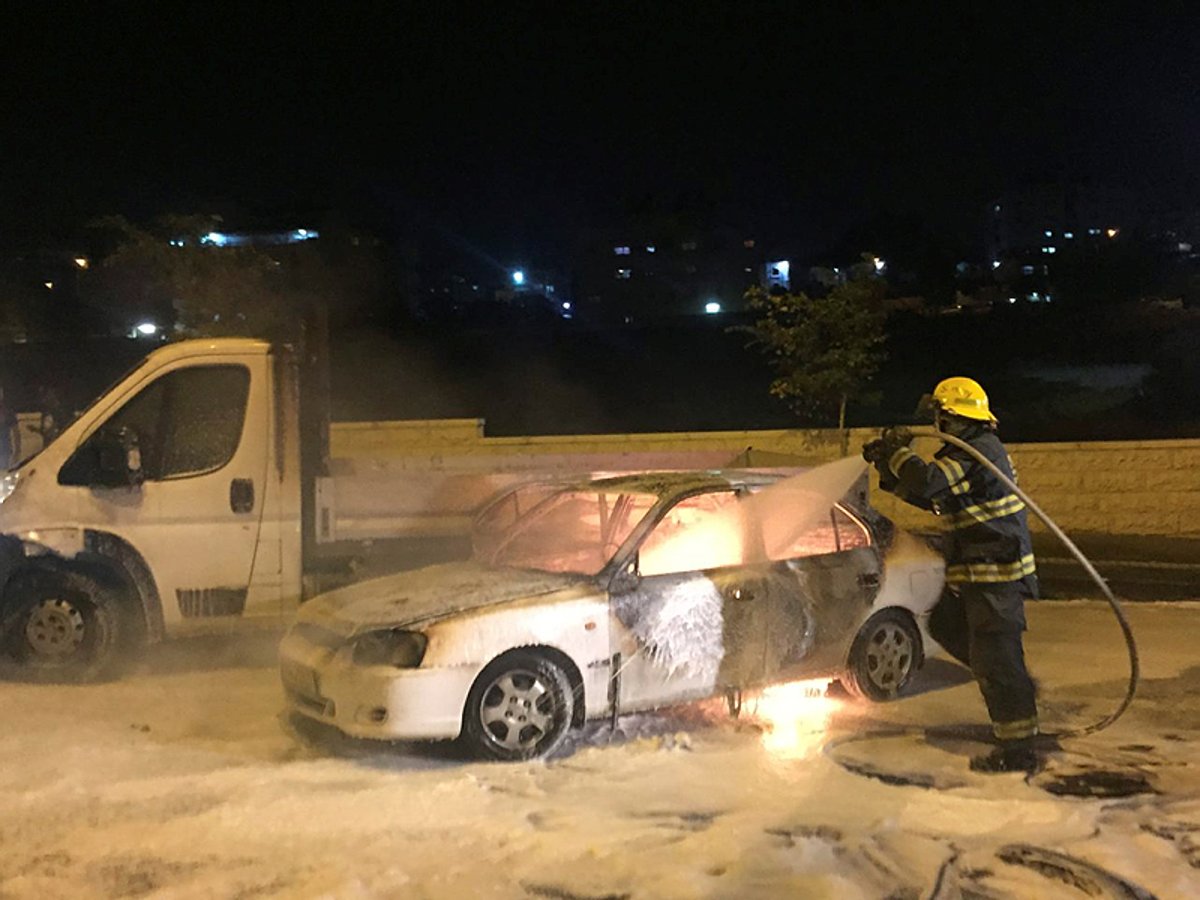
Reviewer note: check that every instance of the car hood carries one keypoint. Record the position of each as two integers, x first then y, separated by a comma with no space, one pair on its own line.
429,593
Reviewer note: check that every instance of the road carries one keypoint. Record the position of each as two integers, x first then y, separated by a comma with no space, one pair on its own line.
184,780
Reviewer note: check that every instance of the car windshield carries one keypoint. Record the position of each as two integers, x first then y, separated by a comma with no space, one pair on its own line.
567,530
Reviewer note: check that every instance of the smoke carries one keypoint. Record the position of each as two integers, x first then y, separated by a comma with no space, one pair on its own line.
791,510
793,518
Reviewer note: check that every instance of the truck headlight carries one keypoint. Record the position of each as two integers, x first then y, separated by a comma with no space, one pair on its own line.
392,647
8,484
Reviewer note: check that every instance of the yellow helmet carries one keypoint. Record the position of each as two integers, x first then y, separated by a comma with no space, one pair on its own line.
962,397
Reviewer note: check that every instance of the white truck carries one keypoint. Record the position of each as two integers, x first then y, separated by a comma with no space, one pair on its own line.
197,492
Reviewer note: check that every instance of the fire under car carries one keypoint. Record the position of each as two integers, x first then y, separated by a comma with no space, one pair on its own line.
613,595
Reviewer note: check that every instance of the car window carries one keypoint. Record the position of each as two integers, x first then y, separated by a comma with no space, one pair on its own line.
850,532
571,531
504,512
784,540
829,534
700,532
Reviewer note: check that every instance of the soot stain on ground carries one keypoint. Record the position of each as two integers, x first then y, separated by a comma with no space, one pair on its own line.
1098,783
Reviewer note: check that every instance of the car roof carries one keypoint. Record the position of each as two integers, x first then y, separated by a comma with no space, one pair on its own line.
667,483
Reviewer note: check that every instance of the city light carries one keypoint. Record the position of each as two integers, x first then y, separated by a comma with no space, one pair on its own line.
880,265
81,261
566,305
146,328
215,238
995,263
1112,232
712,307
778,273
49,285
518,277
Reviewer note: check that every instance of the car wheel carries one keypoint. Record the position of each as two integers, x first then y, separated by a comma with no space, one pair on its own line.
63,626
520,707
885,654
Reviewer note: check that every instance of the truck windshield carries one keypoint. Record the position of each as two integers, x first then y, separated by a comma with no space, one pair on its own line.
574,531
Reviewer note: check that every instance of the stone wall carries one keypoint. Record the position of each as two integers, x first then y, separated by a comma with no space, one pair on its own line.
1149,488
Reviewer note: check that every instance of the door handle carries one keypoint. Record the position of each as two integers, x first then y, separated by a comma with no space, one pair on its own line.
241,495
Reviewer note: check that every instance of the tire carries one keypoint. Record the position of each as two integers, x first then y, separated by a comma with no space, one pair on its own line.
885,654
520,707
64,627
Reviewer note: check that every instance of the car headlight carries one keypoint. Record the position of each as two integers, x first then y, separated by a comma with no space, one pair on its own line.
393,647
8,484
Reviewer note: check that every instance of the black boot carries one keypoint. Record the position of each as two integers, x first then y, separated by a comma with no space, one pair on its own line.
1009,756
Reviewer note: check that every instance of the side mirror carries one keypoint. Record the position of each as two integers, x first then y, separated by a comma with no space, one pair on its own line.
626,579
119,459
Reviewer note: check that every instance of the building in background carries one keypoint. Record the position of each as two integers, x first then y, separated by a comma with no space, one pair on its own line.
1030,224
652,271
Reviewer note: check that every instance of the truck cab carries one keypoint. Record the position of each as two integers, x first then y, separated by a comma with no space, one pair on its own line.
172,503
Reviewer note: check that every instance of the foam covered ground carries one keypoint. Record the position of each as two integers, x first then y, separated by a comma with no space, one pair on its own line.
184,781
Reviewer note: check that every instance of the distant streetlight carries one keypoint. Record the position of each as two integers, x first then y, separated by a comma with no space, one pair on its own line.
880,264
148,329
82,262
712,307
49,285
518,277
1112,232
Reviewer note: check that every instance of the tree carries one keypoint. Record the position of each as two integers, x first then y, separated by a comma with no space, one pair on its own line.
172,274
824,350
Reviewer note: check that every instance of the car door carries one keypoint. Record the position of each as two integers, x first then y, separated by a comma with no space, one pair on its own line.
195,518
826,576
691,621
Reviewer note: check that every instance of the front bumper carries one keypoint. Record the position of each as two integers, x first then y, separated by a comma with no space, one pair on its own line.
380,702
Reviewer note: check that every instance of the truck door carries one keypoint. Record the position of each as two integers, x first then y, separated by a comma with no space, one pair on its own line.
201,430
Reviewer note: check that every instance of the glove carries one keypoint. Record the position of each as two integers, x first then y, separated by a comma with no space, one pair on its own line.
874,451
896,437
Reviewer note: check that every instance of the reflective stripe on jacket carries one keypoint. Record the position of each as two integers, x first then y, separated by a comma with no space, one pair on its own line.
989,531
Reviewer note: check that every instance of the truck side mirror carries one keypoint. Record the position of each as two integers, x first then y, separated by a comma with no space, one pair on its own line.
119,458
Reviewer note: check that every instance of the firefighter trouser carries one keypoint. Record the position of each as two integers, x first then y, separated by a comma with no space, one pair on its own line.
981,626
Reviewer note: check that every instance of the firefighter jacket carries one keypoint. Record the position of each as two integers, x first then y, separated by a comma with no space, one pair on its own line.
988,540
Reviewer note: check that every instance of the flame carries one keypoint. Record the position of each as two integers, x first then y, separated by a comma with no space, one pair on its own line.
713,544
795,717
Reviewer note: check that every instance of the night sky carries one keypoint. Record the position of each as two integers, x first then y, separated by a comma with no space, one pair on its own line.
516,129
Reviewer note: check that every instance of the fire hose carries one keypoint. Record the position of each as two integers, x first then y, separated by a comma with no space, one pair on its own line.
1114,604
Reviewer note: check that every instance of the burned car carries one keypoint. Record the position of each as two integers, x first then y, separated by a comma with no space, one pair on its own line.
603,596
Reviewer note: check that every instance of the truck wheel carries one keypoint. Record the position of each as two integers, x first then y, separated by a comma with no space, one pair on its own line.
885,654
520,707
63,626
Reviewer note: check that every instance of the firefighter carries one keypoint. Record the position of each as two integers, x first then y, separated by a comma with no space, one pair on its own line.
990,569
